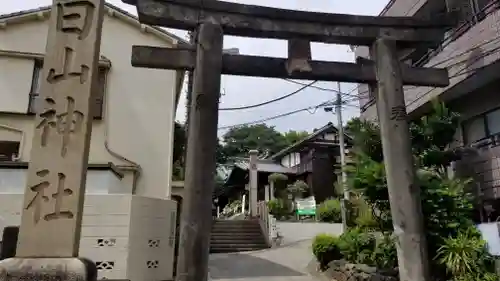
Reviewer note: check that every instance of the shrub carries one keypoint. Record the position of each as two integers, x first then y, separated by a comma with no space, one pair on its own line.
357,246
465,257
231,208
297,188
278,208
325,249
277,177
385,255
361,215
329,211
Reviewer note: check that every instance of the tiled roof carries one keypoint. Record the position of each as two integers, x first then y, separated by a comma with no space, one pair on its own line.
328,127
267,166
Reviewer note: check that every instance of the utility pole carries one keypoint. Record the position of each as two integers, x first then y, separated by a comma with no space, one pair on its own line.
338,110
404,194
343,175
340,127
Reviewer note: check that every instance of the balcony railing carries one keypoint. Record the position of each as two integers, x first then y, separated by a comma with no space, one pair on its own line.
469,47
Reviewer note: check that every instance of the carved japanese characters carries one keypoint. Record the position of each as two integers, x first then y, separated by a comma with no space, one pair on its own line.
45,193
53,203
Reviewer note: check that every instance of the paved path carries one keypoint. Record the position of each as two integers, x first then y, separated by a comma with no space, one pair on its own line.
286,263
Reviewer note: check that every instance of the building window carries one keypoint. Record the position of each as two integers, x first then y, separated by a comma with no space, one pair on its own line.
9,150
481,127
98,93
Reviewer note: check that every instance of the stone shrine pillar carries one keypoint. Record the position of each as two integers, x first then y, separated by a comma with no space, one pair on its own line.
253,182
51,221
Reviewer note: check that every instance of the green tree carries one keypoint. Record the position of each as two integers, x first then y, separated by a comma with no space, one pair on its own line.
240,140
220,154
179,150
295,136
447,205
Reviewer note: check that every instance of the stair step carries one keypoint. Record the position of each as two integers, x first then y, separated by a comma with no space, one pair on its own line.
237,230
235,221
235,236
230,236
235,225
240,246
237,241
247,245
235,249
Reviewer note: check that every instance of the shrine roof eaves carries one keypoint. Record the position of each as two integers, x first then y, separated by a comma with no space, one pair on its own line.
301,142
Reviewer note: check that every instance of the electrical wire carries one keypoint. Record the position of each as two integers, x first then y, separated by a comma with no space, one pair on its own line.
270,101
452,35
317,87
345,103
358,96
323,104
435,64
314,108
487,53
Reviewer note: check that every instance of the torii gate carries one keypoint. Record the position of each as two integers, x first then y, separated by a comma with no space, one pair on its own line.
384,73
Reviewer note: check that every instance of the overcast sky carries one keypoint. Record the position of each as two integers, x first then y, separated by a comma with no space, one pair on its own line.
242,91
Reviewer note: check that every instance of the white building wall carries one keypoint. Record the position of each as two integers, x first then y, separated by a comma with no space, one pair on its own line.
139,103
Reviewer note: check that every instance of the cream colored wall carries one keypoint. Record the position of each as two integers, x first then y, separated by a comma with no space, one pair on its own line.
14,72
139,115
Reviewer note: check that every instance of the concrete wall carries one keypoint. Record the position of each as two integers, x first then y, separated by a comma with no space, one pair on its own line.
139,104
128,237
294,232
396,8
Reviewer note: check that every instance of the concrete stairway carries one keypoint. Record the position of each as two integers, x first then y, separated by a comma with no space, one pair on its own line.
236,236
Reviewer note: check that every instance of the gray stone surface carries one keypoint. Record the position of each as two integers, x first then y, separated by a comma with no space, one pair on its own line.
47,269
342,270
283,263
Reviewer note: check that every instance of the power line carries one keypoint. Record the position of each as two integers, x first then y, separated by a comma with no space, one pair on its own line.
304,86
314,108
325,103
487,53
455,32
358,96
328,103
462,71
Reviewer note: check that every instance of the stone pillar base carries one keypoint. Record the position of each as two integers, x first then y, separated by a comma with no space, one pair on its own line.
47,269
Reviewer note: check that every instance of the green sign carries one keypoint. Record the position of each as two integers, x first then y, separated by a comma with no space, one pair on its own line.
306,206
